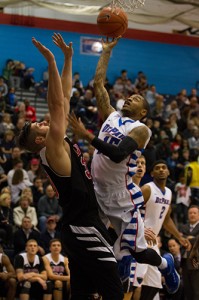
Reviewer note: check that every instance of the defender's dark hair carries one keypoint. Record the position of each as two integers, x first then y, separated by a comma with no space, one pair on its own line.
26,139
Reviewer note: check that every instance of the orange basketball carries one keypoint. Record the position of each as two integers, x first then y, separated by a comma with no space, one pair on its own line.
112,22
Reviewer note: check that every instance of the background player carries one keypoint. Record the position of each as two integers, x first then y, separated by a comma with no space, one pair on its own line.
58,271
157,198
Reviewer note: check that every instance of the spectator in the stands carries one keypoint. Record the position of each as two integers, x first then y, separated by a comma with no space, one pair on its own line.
28,192
2,104
48,206
7,70
74,101
6,219
25,233
76,77
8,143
193,141
17,185
19,125
163,150
194,93
30,111
34,169
182,98
7,122
17,164
24,209
3,87
191,175
17,74
151,96
12,98
171,108
50,233
28,79
37,190
87,109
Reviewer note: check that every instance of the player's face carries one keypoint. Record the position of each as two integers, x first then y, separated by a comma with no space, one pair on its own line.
133,107
55,247
160,172
141,166
32,248
41,128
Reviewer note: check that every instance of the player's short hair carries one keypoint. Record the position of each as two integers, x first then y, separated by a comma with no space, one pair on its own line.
26,138
53,241
31,241
157,162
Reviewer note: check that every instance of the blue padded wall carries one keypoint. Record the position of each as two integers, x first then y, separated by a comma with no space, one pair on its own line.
170,67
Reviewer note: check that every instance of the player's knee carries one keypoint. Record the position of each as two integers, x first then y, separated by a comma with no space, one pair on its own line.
12,283
58,285
25,287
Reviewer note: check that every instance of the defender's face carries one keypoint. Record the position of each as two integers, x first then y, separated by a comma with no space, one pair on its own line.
41,128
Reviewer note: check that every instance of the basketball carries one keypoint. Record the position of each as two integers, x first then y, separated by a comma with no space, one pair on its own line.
112,22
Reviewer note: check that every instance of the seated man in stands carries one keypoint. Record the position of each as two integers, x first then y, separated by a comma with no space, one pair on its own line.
57,269
31,274
7,277
50,233
25,233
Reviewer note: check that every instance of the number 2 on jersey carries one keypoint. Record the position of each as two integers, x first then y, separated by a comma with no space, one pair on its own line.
162,212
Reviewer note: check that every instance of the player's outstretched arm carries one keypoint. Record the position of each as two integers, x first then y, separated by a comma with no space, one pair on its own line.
103,100
66,76
58,122
116,153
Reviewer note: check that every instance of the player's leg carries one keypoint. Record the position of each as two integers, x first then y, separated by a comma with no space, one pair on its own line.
148,292
57,289
93,268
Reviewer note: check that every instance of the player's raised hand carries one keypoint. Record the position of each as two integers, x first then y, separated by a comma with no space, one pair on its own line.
43,50
110,43
59,42
77,126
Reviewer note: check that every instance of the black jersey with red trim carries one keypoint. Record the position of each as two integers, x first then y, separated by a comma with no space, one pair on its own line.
76,193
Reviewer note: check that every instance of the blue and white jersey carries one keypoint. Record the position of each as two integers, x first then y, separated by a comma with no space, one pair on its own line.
157,207
106,173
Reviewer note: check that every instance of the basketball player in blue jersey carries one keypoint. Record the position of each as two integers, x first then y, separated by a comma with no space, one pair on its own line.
122,139
157,198
85,239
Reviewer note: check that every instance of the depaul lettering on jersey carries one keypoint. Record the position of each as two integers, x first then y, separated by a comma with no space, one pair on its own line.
113,131
162,201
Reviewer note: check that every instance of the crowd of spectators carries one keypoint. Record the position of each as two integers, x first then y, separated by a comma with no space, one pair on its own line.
28,204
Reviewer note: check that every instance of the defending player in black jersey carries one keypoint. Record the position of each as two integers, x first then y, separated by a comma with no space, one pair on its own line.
85,239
